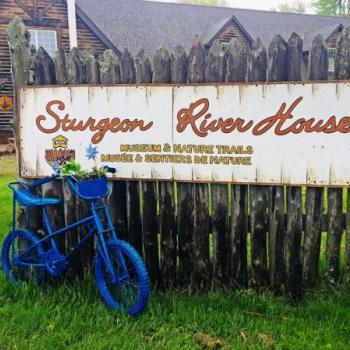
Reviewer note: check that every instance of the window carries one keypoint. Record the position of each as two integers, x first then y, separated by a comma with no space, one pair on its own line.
331,61
224,46
44,38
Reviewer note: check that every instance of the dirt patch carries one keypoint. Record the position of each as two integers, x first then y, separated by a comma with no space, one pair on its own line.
208,342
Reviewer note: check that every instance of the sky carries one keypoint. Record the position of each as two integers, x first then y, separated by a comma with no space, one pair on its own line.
257,4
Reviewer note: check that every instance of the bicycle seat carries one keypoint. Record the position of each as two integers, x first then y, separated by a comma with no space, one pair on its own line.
24,197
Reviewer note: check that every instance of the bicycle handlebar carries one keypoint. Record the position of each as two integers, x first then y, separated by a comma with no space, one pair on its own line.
42,181
33,184
47,179
110,169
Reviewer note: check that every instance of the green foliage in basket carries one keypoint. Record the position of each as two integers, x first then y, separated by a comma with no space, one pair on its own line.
73,168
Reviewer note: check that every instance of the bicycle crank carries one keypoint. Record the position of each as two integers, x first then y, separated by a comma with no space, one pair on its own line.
56,263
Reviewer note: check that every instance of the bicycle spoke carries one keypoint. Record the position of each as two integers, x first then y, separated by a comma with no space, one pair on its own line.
127,289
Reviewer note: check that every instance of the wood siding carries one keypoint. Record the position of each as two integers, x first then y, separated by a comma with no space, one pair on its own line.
232,31
331,42
54,19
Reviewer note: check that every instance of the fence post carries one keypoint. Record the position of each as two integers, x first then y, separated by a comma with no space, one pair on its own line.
18,39
127,199
149,195
92,69
162,74
215,73
185,207
196,74
77,75
110,73
128,68
179,65
318,65
143,69
318,70
256,72
256,62
61,67
237,240
335,229
294,224
110,68
143,75
235,62
277,60
69,200
196,62
342,56
215,65
76,67
277,71
294,57
44,73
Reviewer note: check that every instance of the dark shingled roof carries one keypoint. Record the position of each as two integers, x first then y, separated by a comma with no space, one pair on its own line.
324,31
147,25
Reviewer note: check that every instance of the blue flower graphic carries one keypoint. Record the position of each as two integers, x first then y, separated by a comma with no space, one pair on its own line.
56,168
91,152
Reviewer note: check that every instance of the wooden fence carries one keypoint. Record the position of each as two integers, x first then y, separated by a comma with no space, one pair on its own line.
199,234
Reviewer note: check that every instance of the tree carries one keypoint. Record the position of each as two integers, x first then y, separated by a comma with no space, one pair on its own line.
294,7
205,2
332,7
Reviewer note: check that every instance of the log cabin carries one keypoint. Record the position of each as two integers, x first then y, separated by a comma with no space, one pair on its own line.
138,24
47,22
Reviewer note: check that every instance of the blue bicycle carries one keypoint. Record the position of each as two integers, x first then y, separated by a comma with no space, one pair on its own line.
120,273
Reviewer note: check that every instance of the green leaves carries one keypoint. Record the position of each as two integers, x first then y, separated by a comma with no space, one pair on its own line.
73,168
332,7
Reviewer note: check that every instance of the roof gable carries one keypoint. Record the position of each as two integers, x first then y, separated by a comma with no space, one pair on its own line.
92,26
209,36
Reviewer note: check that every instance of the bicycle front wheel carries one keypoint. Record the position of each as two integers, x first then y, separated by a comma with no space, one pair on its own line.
129,290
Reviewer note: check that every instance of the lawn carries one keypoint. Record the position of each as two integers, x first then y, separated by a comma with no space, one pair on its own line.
72,315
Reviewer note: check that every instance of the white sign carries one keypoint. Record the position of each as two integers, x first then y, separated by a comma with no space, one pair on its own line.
267,133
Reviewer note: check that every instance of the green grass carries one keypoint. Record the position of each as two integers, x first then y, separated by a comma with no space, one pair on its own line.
71,315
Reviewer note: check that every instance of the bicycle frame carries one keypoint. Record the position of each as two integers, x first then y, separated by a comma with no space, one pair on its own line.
94,225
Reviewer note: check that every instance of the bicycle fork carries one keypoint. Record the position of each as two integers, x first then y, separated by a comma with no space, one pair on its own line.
101,241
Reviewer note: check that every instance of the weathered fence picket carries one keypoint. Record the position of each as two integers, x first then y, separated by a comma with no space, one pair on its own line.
185,198
318,70
196,75
171,224
162,75
294,217
335,231
215,73
257,72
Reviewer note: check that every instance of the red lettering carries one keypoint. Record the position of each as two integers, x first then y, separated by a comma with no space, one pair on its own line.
101,127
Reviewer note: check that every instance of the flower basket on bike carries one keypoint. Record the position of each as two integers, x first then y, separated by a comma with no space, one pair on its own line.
90,189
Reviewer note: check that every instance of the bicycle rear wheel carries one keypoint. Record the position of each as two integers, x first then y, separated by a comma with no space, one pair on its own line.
19,262
130,291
